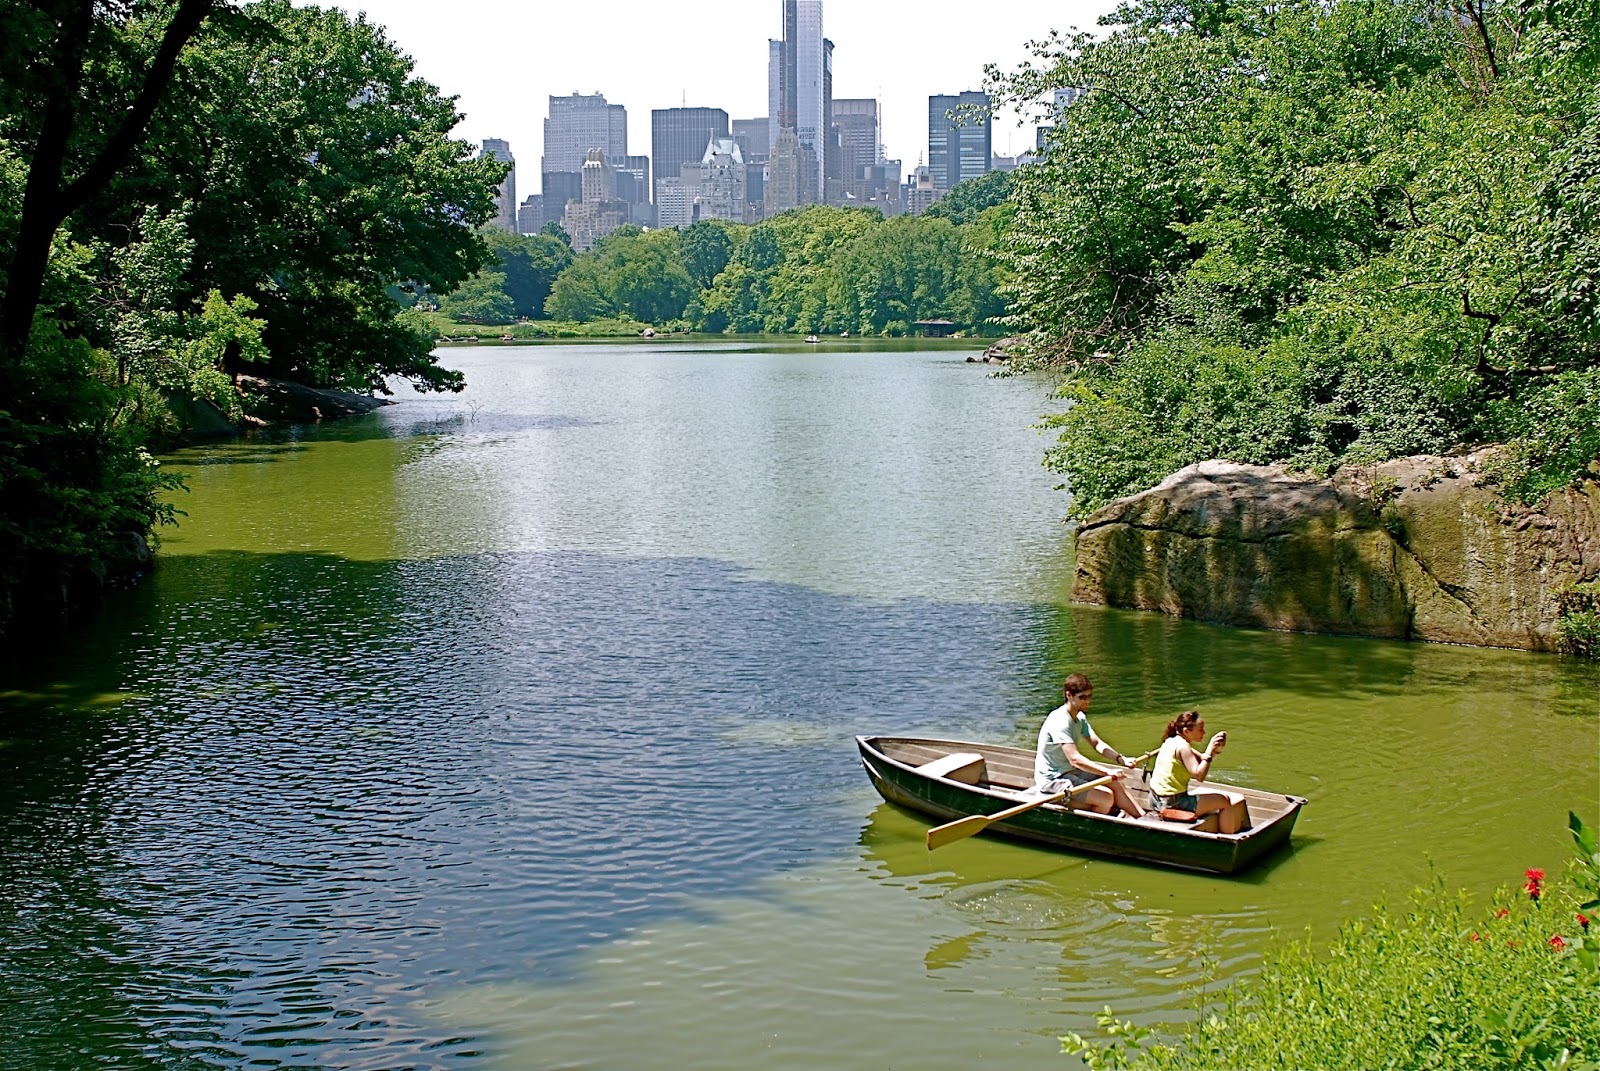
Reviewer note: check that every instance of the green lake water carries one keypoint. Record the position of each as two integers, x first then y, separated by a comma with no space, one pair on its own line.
513,730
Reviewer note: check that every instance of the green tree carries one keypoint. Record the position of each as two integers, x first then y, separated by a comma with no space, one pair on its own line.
321,172
81,85
482,299
904,270
530,264
555,230
967,200
188,191
1388,205
706,249
780,278
630,273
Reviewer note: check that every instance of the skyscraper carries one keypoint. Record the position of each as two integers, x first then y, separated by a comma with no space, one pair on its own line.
961,148
722,181
799,83
859,148
754,137
679,136
599,212
578,123
506,217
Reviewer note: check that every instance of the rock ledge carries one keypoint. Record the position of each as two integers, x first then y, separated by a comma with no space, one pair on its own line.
1415,548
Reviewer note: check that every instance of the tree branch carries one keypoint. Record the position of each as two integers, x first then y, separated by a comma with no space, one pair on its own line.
46,204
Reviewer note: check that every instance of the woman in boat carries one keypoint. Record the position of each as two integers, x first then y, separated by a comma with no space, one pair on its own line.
1178,764
1066,739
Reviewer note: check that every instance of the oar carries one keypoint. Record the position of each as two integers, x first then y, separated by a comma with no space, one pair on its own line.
962,828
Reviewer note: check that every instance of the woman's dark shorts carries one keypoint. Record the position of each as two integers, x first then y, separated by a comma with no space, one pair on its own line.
1183,801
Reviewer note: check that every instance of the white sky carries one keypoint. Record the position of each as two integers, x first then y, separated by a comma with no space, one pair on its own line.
504,60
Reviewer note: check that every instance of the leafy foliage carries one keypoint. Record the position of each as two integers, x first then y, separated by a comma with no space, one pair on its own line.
1392,207
1440,984
813,270
320,171
1578,620
630,273
256,211
530,265
971,198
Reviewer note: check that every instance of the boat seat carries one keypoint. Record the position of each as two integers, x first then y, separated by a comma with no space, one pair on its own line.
964,766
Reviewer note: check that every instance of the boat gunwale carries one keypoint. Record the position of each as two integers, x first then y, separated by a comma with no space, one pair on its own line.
1011,797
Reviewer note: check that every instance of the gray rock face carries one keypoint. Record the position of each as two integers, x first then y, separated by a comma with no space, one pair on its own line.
1416,548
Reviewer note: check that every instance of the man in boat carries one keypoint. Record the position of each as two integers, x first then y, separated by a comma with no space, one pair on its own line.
1066,739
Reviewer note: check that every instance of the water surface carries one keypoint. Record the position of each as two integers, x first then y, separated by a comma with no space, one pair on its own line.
513,730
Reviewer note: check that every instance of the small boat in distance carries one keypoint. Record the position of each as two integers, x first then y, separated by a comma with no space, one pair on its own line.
813,338
955,779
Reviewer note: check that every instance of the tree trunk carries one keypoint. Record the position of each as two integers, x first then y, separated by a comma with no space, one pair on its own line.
46,202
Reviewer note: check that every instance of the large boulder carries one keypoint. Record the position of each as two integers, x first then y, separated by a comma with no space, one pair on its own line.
1418,548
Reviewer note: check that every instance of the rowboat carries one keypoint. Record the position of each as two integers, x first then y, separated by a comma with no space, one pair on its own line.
955,779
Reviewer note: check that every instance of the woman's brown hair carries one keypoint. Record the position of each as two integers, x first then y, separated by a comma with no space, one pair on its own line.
1181,723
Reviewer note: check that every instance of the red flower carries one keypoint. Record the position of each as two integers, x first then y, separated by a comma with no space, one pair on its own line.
1501,912
1535,883
1583,920
1475,937
1558,942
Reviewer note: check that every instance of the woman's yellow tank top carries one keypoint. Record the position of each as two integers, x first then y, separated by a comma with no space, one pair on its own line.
1169,776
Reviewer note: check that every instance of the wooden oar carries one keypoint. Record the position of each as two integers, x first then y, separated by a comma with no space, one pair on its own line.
962,828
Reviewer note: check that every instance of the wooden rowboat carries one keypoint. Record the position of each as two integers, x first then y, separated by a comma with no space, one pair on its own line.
953,779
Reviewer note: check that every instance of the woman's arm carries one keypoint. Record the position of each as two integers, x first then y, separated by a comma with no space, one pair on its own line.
1199,764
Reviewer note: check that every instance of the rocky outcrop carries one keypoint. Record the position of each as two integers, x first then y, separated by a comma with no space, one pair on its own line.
1417,548
998,352
280,401
274,401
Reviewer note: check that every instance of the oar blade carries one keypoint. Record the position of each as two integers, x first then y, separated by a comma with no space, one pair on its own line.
951,832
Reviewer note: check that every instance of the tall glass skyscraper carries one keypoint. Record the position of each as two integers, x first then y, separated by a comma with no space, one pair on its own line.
959,150
799,81
579,123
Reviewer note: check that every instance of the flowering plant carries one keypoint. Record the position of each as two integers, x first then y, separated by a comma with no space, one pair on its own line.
1443,984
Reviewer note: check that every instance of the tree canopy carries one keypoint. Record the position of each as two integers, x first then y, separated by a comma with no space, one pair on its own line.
818,269
517,285
1315,233
190,190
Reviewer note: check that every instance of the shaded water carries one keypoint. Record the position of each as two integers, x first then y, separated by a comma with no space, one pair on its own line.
512,730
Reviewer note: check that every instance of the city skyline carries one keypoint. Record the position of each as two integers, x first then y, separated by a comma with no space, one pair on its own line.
635,62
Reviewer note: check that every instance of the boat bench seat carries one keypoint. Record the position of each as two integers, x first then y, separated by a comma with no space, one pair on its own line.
964,766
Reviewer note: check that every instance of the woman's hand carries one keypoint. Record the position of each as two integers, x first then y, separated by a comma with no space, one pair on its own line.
1218,742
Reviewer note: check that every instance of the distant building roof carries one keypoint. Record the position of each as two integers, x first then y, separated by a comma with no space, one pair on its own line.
722,147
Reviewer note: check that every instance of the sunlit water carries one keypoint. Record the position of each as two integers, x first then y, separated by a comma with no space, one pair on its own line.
513,730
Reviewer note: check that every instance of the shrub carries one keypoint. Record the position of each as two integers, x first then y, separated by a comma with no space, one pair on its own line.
1578,620
1439,985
